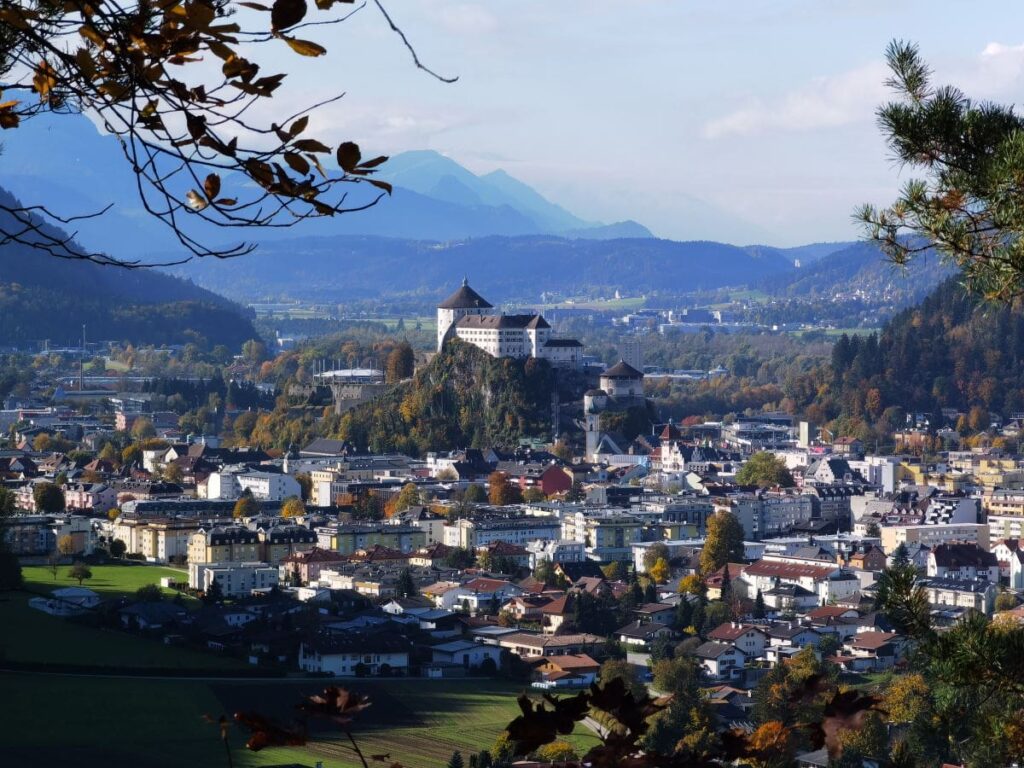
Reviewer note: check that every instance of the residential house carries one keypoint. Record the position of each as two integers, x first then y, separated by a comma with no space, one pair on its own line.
466,654
721,661
751,639
480,594
534,645
356,654
945,594
963,562
640,633
306,565
566,671
883,648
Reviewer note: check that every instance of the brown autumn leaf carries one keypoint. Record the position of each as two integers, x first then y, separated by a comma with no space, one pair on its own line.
212,186
297,162
305,47
310,145
349,156
334,703
286,13
538,725
267,733
381,185
44,80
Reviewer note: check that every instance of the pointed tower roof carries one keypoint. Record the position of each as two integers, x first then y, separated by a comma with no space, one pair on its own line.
465,298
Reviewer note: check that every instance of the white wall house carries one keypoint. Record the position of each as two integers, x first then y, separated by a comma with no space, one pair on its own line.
234,579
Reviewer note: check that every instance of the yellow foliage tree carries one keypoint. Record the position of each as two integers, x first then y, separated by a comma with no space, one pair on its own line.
659,571
906,698
293,507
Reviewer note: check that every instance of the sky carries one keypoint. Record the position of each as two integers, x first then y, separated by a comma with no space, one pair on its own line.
735,121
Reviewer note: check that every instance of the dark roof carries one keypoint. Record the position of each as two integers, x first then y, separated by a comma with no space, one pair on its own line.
562,343
963,556
538,321
465,298
712,650
641,631
622,370
575,571
495,321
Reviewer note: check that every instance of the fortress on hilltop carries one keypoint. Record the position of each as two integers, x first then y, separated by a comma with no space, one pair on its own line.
468,316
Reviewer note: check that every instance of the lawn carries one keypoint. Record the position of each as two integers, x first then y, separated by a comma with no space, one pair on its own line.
30,635
107,580
419,723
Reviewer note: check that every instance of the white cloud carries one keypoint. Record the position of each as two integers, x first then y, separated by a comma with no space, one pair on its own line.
997,72
826,102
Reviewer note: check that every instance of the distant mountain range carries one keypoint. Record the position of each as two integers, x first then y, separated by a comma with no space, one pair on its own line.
502,268
46,298
442,222
65,161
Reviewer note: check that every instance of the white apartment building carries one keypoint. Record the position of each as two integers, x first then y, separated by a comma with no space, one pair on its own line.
234,579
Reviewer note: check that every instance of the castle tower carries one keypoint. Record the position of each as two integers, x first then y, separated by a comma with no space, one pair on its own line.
623,381
465,301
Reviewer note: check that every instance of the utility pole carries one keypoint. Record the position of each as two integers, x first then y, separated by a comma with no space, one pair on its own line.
81,364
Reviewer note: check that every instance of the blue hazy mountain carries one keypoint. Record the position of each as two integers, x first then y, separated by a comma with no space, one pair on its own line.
66,162
509,268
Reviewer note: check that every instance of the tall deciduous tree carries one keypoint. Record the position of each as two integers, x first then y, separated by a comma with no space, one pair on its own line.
501,491
723,543
293,507
764,469
80,572
400,363
66,545
48,497
246,506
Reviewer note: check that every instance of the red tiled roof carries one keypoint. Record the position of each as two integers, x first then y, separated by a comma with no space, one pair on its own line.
482,584
572,661
771,568
557,607
731,631
315,555
870,641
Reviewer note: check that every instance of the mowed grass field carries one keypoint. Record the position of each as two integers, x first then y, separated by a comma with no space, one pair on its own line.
107,580
158,723
29,635
99,720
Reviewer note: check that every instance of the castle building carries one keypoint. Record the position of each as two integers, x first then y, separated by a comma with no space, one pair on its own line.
468,316
620,388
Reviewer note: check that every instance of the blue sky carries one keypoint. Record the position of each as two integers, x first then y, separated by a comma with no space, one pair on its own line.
734,121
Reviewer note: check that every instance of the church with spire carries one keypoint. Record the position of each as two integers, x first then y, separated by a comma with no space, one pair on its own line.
468,316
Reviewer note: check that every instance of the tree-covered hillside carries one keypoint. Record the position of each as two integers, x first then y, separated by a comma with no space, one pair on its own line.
954,350
858,268
463,398
43,297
